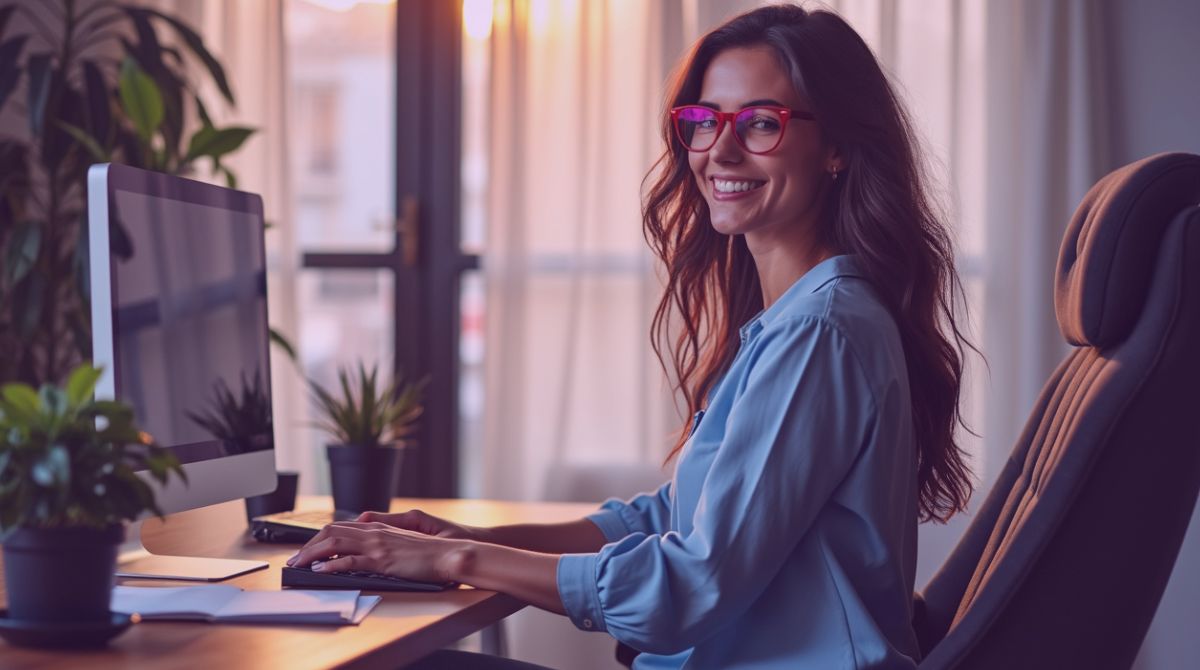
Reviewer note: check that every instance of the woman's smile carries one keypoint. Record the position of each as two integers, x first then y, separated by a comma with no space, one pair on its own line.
734,188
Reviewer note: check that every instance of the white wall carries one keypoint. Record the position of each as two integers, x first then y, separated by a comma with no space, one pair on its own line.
1155,80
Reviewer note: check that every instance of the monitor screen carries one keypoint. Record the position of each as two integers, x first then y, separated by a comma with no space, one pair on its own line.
189,323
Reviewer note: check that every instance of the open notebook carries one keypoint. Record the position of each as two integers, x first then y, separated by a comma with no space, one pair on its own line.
223,603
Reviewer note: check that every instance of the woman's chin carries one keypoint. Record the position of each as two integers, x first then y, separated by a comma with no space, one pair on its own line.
727,227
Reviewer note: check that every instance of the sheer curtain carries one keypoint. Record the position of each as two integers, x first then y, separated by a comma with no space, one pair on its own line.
574,101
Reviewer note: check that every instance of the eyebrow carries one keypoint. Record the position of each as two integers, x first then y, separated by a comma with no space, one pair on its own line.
752,103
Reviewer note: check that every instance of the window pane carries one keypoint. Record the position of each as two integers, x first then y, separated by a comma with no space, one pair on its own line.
341,78
477,28
345,316
471,382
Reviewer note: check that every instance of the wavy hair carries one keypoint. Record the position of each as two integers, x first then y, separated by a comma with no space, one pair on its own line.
878,210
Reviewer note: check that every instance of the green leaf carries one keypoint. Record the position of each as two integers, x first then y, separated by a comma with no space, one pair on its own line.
81,384
93,147
54,400
283,343
29,305
202,112
196,45
23,246
40,74
214,142
140,99
53,468
10,71
112,410
230,177
21,398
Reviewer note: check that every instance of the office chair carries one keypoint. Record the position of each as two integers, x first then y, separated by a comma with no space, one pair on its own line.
1064,564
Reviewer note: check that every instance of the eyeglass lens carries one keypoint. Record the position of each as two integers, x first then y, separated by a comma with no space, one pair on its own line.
758,128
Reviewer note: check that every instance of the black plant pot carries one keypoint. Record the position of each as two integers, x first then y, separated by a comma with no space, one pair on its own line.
61,575
363,478
282,499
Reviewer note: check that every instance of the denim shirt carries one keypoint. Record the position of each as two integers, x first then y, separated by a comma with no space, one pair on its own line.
787,537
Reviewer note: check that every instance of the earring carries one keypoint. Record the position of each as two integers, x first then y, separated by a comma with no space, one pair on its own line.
834,173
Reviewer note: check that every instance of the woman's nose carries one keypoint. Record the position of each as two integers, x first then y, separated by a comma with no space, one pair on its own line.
726,149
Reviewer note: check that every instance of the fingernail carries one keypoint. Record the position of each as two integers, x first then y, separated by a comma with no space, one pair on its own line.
318,566
292,560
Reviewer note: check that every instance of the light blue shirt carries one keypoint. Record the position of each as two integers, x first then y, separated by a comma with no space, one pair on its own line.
788,535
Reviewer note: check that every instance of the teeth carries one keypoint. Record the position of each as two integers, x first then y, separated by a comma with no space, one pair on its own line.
724,186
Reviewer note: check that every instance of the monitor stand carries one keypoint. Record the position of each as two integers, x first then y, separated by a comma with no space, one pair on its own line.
135,561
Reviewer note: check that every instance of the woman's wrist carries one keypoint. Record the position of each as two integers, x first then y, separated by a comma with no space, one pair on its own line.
458,560
526,575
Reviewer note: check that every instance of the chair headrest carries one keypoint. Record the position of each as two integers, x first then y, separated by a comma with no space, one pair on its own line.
1108,253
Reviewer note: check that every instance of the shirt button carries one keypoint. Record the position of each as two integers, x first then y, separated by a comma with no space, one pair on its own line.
587,623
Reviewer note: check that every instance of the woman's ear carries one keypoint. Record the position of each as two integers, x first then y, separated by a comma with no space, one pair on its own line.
834,162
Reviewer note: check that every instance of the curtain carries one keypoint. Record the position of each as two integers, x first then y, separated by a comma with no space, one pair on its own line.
575,96
1048,136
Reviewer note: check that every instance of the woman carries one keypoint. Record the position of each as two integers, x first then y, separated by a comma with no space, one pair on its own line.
819,354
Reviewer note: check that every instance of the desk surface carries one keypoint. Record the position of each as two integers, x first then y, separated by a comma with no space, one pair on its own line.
403,628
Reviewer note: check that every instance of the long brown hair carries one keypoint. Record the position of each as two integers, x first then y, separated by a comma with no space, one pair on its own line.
878,210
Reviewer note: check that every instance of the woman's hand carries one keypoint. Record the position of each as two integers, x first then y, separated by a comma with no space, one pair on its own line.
420,522
378,547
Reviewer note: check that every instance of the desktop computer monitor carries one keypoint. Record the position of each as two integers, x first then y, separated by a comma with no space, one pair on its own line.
179,321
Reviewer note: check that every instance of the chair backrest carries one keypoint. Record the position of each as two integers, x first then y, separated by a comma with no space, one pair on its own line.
1065,562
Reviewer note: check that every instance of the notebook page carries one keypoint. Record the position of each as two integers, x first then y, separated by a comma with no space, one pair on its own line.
331,606
365,605
192,602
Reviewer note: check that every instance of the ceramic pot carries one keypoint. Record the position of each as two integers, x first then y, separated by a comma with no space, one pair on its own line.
363,478
282,499
61,575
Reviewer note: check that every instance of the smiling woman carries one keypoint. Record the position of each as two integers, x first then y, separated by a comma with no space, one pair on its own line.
819,354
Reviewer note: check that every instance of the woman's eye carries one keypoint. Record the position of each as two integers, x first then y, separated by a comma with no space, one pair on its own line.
707,124
764,123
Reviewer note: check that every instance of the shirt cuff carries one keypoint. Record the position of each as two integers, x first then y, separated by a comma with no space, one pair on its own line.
610,524
576,578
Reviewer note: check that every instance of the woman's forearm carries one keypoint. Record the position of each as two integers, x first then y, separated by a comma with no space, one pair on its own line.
572,537
527,575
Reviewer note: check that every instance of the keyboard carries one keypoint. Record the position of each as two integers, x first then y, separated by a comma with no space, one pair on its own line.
355,579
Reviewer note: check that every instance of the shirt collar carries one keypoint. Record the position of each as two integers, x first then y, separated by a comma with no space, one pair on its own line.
818,276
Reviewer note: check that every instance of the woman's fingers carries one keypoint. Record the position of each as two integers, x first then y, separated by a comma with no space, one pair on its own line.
410,520
332,540
344,564
374,547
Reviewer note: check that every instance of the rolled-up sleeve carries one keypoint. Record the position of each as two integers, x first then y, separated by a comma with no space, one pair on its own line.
803,412
644,513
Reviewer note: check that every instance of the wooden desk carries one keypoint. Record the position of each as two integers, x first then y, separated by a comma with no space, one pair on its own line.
403,628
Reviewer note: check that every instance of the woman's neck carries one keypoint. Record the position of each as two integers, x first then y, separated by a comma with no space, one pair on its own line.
781,260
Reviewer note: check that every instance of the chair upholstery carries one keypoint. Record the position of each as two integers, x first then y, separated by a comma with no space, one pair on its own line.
1064,563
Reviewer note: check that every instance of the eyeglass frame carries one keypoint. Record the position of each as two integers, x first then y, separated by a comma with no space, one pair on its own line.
785,113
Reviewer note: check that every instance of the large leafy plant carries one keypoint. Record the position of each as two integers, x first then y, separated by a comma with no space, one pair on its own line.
367,414
100,86
69,461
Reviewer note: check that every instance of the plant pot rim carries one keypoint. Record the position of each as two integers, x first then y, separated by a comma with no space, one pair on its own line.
395,444
35,536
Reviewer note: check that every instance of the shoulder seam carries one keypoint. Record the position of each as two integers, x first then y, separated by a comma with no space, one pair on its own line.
823,320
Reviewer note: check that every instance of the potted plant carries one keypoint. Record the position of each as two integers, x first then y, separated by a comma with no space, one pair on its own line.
243,423
96,82
68,482
368,424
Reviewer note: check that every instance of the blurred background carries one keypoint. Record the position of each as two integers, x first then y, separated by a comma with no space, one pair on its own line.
453,191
